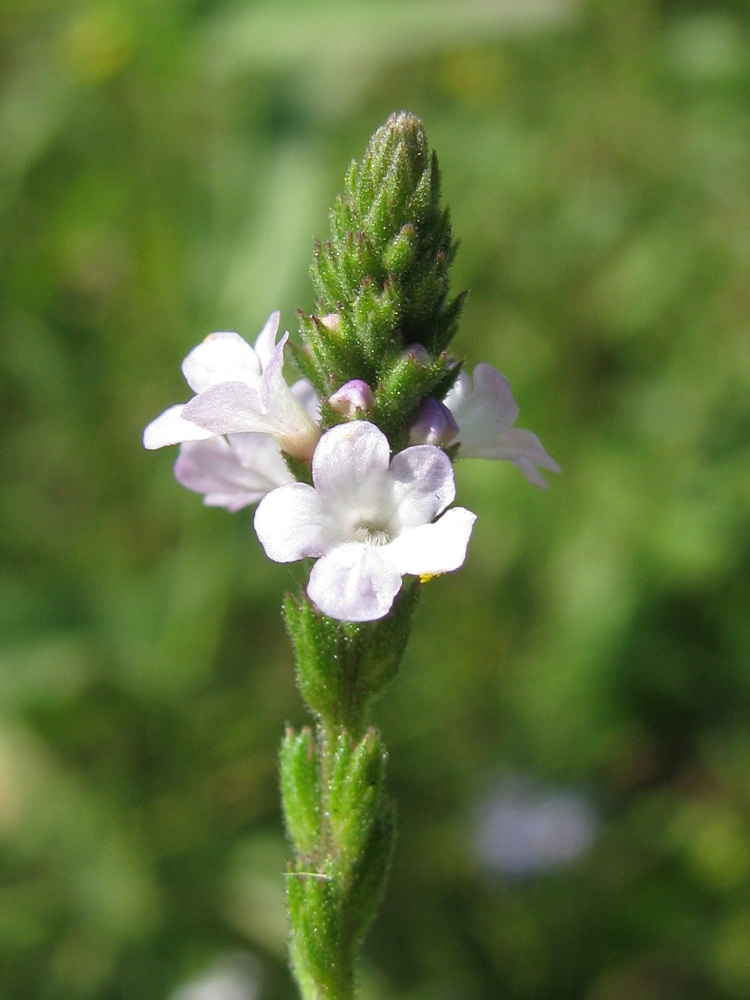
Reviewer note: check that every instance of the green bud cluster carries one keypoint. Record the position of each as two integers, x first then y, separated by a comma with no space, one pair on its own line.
383,283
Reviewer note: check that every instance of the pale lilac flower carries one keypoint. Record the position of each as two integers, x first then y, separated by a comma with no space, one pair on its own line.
235,977
367,520
353,399
524,828
485,413
239,389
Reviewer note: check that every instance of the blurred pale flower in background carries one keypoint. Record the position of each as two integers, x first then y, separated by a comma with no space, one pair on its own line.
234,977
524,828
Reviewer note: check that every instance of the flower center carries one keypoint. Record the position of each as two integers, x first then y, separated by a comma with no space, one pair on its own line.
371,534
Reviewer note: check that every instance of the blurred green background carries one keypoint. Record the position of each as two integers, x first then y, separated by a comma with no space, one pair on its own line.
570,734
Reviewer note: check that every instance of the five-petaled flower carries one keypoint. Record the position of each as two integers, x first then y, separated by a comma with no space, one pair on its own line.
239,390
368,520
485,413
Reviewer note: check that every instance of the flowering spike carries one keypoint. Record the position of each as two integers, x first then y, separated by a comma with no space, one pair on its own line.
385,274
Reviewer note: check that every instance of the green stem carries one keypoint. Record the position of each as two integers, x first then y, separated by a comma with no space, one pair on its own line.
338,817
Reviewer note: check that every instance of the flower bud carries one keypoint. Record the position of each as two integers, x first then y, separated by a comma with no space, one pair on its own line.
352,400
330,321
433,424
419,353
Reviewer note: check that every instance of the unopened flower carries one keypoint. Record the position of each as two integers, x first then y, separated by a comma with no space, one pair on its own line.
485,413
331,321
418,353
239,390
367,520
433,424
353,399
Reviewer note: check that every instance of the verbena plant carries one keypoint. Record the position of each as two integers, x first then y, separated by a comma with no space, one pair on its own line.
351,466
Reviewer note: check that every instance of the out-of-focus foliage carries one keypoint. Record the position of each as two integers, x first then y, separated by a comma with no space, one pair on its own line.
163,170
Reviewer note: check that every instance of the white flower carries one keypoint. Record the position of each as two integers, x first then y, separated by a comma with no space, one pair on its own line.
234,471
485,414
239,390
367,520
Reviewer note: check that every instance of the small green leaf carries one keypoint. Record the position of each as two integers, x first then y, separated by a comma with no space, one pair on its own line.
316,642
355,792
323,936
300,790
384,643
371,871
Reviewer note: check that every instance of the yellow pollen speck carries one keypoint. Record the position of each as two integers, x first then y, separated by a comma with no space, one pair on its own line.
426,577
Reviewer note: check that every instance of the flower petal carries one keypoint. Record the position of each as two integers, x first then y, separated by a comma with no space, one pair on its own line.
485,415
493,388
213,468
266,341
354,583
237,408
433,548
350,467
228,408
171,427
291,524
222,357
308,397
483,411
525,451
422,483
261,454
295,431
